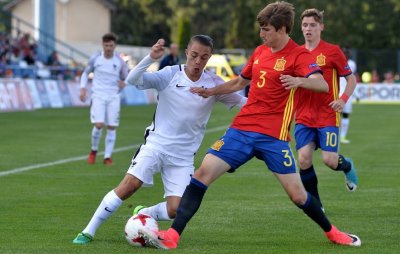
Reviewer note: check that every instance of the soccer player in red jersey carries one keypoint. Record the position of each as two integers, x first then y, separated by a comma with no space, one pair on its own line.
318,115
275,71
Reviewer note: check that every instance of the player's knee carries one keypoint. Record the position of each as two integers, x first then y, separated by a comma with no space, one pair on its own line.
200,174
305,161
99,125
111,127
297,194
298,199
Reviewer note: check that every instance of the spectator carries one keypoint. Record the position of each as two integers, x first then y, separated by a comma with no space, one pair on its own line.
29,57
54,64
53,59
397,78
375,77
388,77
172,58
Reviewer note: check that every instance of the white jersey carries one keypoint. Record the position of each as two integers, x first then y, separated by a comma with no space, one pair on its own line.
181,117
107,74
343,82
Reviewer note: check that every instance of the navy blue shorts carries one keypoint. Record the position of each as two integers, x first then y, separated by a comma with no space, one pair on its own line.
236,147
325,138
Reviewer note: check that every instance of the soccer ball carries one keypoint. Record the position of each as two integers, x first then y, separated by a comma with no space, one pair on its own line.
135,223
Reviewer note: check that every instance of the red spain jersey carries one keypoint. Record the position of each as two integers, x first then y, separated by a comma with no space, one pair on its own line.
313,109
270,107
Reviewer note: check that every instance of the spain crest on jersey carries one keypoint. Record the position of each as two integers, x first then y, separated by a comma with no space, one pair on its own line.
321,60
280,64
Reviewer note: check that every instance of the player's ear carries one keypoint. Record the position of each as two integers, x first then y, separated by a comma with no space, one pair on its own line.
322,27
186,52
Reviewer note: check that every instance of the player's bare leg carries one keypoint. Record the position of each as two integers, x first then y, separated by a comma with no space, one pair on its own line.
211,168
110,203
310,206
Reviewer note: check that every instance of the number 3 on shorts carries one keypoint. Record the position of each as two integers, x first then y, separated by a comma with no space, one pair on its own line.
288,162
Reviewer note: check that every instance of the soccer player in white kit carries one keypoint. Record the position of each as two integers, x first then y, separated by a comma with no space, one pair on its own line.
110,71
348,107
173,138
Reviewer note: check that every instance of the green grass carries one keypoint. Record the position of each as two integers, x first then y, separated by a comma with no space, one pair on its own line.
43,209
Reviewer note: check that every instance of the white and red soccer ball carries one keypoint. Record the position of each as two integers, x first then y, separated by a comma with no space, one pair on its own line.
135,223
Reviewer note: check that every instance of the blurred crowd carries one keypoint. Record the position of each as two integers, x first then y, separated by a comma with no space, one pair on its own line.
18,59
389,77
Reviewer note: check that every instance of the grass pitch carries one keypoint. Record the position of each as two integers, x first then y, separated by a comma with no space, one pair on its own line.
43,208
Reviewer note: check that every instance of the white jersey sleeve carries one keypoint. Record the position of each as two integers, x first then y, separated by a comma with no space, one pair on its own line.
145,80
343,81
89,68
353,66
123,73
230,100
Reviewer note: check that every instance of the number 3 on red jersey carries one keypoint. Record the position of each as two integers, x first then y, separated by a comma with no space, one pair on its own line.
261,82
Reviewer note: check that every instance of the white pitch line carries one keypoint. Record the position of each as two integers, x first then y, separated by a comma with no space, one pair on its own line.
81,158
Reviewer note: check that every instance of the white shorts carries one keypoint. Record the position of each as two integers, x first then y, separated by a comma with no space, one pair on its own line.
348,107
105,110
175,172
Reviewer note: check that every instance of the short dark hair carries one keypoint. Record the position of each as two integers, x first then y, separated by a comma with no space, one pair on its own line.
317,14
109,37
202,39
279,14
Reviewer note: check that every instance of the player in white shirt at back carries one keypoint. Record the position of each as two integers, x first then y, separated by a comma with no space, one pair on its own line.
173,138
109,73
348,107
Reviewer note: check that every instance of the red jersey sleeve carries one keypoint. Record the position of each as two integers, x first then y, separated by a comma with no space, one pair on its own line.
305,65
247,70
340,62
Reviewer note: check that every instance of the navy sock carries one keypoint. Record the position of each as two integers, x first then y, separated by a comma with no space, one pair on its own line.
343,164
189,205
310,182
314,211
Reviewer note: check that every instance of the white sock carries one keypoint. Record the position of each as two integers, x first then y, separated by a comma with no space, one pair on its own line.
110,142
107,207
344,127
158,212
96,136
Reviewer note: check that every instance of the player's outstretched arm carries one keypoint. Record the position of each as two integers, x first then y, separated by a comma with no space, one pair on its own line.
135,76
314,82
231,86
157,50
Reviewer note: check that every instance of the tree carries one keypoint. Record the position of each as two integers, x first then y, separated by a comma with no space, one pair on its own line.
141,22
358,23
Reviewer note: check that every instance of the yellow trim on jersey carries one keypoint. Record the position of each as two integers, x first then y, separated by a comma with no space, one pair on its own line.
287,115
335,87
